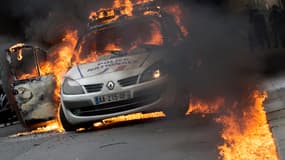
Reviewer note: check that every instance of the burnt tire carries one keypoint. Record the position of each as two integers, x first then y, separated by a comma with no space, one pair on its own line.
180,103
64,122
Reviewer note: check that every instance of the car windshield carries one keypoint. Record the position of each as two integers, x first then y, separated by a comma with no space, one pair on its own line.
119,39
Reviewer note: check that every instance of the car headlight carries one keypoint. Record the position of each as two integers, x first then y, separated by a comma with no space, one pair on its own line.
71,87
153,72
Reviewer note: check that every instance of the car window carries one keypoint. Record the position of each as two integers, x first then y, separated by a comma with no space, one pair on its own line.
25,64
123,36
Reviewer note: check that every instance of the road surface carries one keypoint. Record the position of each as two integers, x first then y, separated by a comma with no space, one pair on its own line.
190,138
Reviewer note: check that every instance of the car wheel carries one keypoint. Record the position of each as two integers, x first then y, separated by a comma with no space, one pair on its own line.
179,105
64,122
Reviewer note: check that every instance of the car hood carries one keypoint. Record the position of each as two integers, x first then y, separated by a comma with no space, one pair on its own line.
108,66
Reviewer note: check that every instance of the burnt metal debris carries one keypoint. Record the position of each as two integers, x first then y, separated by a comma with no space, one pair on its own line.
24,97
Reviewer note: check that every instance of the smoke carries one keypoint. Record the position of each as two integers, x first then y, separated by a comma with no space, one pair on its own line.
215,60
44,21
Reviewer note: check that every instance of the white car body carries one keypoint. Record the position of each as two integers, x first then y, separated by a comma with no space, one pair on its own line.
146,96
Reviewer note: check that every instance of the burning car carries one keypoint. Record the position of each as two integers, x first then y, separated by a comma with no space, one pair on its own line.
126,71
33,91
6,113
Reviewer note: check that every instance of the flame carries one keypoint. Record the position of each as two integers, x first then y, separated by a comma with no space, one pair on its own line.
246,136
197,106
20,55
113,47
126,118
60,58
127,10
55,126
175,10
252,140
13,49
49,126
156,35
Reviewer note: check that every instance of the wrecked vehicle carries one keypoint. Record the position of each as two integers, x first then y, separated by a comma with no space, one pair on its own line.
33,91
6,114
130,75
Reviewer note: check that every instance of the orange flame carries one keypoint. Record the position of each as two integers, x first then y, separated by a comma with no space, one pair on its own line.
175,10
252,140
126,118
113,47
58,65
49,126
127,10
197,106
20,55
156,35
246,137
61,58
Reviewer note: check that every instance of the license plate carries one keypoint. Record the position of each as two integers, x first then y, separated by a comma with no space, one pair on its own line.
112,97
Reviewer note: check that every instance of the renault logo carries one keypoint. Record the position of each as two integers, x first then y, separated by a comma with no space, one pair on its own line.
110,85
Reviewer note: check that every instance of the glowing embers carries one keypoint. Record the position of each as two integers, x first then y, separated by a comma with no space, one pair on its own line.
245,129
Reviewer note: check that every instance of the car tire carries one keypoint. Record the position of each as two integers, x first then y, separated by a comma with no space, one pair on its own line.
64,122
179,105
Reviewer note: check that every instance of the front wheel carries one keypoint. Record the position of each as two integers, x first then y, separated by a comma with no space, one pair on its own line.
180,103
64,122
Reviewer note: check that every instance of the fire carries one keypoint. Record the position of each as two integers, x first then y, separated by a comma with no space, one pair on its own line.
55,126
246,136
175,10
127,10
197,106
49,126
156,36
60,59
113,47
126,118
62,56
20,55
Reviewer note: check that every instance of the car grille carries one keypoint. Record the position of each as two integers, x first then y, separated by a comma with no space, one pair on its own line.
94,87
128,81
77,104
115,107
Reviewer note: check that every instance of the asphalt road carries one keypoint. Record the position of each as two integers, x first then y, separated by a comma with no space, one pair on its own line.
190,138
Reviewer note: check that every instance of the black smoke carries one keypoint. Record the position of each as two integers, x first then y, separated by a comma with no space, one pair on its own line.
213,60
44,21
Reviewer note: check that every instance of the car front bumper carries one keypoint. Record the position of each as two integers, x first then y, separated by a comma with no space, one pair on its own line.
146,97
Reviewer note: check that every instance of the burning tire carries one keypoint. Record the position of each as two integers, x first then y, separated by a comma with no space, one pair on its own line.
65,124
179,105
